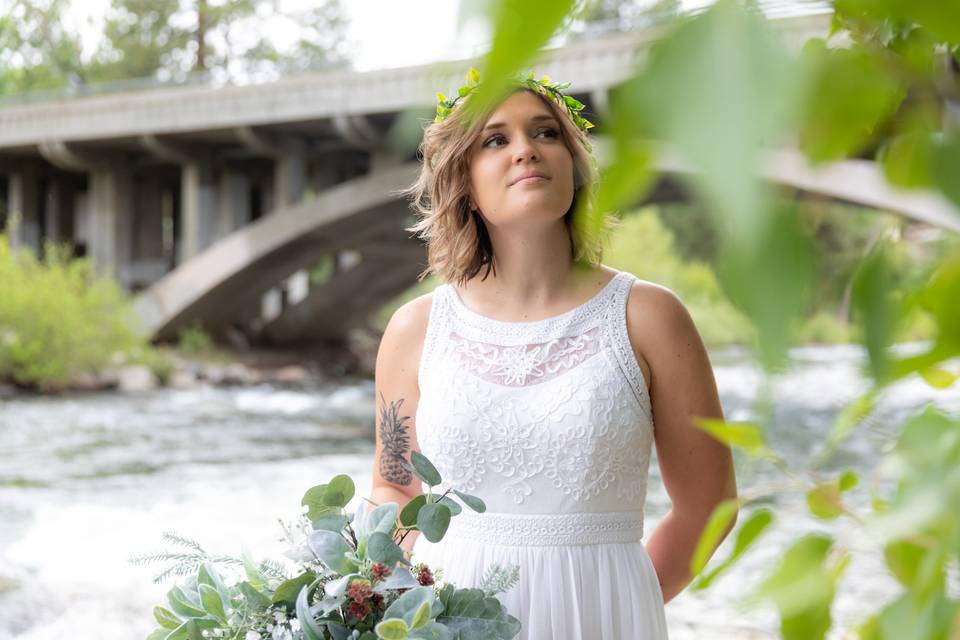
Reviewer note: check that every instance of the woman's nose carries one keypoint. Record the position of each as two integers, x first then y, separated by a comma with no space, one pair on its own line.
524,152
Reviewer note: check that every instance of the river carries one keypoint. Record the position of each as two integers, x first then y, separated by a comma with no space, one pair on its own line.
87,481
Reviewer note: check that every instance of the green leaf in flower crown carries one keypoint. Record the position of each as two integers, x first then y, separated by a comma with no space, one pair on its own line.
408,516
382,548
433,521
340,491
473,502
330,547
423,468
288,591
166,618
311,630
520,28
212,603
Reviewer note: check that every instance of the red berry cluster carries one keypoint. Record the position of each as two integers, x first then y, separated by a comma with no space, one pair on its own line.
424,575
379,571
361,595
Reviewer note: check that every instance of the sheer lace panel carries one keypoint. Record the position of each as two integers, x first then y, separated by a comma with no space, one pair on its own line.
524,364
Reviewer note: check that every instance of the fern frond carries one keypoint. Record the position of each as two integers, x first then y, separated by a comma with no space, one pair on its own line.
499,578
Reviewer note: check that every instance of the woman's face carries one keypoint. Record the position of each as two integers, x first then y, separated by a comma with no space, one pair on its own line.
520,169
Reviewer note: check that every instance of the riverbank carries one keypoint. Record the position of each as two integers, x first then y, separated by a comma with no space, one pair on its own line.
221,366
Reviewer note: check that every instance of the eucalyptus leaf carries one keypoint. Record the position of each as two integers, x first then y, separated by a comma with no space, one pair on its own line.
381,548
473,502
433,521
340,491
454,507
408,516
424,469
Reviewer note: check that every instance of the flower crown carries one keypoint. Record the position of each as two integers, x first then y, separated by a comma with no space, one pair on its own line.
544,86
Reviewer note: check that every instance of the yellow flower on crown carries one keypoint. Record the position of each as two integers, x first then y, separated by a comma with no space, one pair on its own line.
544,86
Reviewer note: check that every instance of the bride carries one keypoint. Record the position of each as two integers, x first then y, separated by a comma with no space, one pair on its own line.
538,379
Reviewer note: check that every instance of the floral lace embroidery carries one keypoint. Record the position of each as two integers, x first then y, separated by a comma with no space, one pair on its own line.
544,413
518,365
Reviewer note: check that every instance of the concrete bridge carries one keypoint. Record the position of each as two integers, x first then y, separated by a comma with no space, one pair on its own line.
271,208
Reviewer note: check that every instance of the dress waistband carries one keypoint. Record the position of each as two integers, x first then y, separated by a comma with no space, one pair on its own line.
549,529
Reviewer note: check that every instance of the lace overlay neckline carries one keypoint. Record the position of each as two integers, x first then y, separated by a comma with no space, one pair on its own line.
574,316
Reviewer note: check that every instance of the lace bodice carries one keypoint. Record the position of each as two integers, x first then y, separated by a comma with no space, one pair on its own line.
549,416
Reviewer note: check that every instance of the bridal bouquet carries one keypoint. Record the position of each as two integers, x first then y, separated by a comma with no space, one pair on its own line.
352,581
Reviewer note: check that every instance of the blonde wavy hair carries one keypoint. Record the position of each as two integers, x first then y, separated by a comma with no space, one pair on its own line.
458,245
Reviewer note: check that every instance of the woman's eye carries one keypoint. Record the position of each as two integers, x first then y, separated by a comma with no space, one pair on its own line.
493,139
551,133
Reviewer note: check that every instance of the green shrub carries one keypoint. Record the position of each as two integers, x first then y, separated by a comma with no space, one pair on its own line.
57,320
193,340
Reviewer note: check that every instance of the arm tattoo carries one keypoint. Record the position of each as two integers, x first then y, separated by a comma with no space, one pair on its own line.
396,443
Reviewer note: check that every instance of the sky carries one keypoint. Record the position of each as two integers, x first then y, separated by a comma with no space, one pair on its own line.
385,33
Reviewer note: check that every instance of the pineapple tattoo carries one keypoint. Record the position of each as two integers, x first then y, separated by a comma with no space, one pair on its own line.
396,443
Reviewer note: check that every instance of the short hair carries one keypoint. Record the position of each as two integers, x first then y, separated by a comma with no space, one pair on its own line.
458,245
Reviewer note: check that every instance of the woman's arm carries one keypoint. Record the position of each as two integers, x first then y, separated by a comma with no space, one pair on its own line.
697,470
397,395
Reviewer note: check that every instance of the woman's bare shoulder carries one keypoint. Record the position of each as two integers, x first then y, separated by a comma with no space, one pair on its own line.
409,322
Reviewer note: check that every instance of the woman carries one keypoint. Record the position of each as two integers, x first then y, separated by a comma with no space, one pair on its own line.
533,378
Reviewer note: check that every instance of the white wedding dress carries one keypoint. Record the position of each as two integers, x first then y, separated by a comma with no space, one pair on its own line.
549,422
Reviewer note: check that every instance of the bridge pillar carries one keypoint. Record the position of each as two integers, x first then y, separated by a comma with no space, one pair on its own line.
23,202
110,222
290,173
198,211
59,211
234,206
